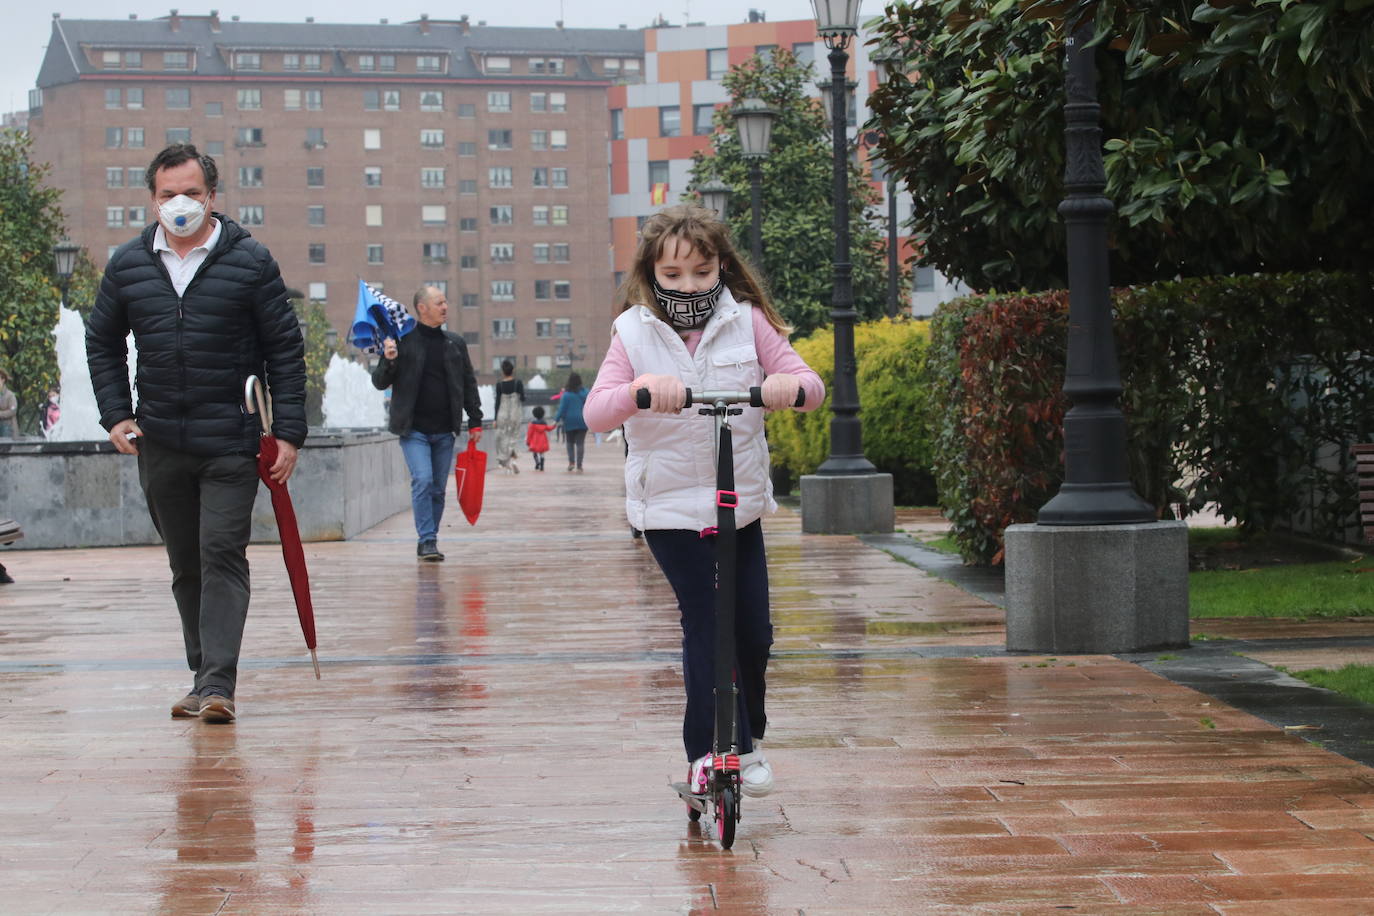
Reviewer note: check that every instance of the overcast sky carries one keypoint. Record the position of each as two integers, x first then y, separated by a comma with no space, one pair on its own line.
27,28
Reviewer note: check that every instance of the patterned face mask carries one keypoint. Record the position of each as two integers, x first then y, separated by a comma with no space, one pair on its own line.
688,311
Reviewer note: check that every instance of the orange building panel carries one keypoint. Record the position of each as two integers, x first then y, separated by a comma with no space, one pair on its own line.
681,66
615,97
625,233
641,122
684,147
620,167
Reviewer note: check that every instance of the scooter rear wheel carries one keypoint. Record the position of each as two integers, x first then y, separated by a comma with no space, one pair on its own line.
693,814
727,814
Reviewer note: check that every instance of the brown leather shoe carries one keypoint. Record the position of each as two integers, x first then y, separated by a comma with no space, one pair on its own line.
216,709
188,707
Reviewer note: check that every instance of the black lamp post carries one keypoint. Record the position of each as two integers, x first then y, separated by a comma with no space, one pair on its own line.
885,63
64,263
715,195
838,22
754,122
1097,481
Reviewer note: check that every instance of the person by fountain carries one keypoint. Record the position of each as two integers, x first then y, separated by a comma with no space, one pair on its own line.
510,416
207,307
9,407
432,384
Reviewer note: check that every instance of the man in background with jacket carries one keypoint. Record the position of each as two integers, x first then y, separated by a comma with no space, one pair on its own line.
207,308
432,385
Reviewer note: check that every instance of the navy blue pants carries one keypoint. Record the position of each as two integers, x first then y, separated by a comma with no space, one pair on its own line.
689,562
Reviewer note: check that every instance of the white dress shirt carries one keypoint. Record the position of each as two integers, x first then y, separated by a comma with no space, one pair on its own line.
180,269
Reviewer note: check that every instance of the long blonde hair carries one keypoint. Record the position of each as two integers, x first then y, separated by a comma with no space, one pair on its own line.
708,237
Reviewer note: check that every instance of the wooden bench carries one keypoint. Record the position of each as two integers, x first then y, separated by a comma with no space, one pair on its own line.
1364,473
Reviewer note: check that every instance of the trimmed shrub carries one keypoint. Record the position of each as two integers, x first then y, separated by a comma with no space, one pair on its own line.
893,397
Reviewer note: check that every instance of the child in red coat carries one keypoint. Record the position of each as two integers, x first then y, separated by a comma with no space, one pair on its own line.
537,437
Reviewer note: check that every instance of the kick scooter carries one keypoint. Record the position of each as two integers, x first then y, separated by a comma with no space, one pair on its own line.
723,769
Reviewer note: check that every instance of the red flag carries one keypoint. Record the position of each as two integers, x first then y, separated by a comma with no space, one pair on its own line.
659,195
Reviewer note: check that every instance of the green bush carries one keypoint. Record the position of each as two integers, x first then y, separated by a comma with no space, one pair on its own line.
893,408
1233,386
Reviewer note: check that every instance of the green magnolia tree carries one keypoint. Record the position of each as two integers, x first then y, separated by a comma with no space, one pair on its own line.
315,329
798,234
1236,134
30,223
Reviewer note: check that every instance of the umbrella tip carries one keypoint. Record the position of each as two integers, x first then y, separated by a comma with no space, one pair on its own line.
315,660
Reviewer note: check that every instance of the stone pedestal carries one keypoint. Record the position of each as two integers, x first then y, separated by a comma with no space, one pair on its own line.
846,504
1097,588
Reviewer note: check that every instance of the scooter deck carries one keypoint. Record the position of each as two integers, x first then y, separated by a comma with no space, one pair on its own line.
685,793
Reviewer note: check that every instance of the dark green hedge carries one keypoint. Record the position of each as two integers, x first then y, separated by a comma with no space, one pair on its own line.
1234,387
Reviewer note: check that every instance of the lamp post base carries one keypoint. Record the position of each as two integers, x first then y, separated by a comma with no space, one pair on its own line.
1093,589
846,504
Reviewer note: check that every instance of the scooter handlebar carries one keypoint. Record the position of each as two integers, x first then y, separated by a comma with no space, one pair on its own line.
753,397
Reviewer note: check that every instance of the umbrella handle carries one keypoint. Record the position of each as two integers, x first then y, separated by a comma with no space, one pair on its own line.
256,402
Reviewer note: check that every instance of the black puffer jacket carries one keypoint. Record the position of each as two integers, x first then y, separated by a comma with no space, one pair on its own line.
403,373
196,352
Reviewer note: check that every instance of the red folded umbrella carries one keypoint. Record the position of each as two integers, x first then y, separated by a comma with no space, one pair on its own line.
291,549
470,472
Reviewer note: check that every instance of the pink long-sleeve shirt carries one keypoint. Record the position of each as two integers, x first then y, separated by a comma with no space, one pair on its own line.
612,400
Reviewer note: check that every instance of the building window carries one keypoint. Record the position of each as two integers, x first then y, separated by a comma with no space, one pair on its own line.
498,101
137,177
717,63
314,99
502,253
386,63
133,98
611,65
804,52
470,300
502,215
548,101
497,64
500,177
247,60
314,138
312,61
290,61
539,140
558,214
391,99
367,62
316,253
551,65
617,124
562,327
250,216
669,121
177,99
427,63
701,119
114,217
176,60
433,214
291,99
539,177
434,252
765,52
502,290
467,186
248,136
630,64
499,139
249,99
558,139
502,329
561,253
562,289
250,176
372,214
212,147
543,327
541,253
559,177
431,100
923,280
374,254
178,135
114,177
467,110
541,214
134,136
543,289
138,216
431,178
317,292
467,148
658,173
440,285
467,224
539,101
314,215
113,98
432,138
372,138
467,262
314,177
214,109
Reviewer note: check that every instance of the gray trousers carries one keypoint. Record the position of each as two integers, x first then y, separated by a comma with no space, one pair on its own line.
203,508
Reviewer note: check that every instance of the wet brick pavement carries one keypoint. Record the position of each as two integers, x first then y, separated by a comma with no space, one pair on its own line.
495,734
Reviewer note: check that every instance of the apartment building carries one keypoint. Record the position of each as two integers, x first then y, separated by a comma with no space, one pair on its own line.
449,153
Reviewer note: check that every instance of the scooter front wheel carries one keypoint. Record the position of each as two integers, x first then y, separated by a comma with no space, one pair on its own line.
727,814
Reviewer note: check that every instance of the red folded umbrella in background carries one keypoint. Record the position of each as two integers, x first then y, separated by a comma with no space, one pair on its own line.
291,549
470,472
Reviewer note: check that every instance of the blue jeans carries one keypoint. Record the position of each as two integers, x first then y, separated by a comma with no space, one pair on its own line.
429,456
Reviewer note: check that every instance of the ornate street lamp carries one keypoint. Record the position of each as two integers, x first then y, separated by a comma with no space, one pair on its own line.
754,122
838,21
64,262
715,195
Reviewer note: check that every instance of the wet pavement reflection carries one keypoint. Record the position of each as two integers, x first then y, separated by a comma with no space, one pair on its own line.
495,734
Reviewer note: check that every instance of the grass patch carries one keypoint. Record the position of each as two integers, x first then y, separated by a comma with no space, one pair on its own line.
1341,589
944,544
1354,681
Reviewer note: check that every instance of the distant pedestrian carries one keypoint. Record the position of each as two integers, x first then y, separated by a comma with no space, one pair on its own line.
9,407
50,412
432,385
510,416
570,403
537,437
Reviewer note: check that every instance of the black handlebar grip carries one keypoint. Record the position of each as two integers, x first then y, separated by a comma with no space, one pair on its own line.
755,396
801,397
687,397
642,398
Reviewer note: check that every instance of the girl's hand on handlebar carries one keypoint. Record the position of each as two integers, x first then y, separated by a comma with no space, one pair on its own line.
666,392
780,391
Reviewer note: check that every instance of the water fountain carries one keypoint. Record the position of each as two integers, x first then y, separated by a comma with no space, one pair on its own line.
350,399
80,418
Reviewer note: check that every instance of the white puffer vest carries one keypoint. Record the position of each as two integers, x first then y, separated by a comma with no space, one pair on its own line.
670,474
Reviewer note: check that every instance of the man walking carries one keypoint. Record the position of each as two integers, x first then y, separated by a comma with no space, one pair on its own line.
207,308
432,385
